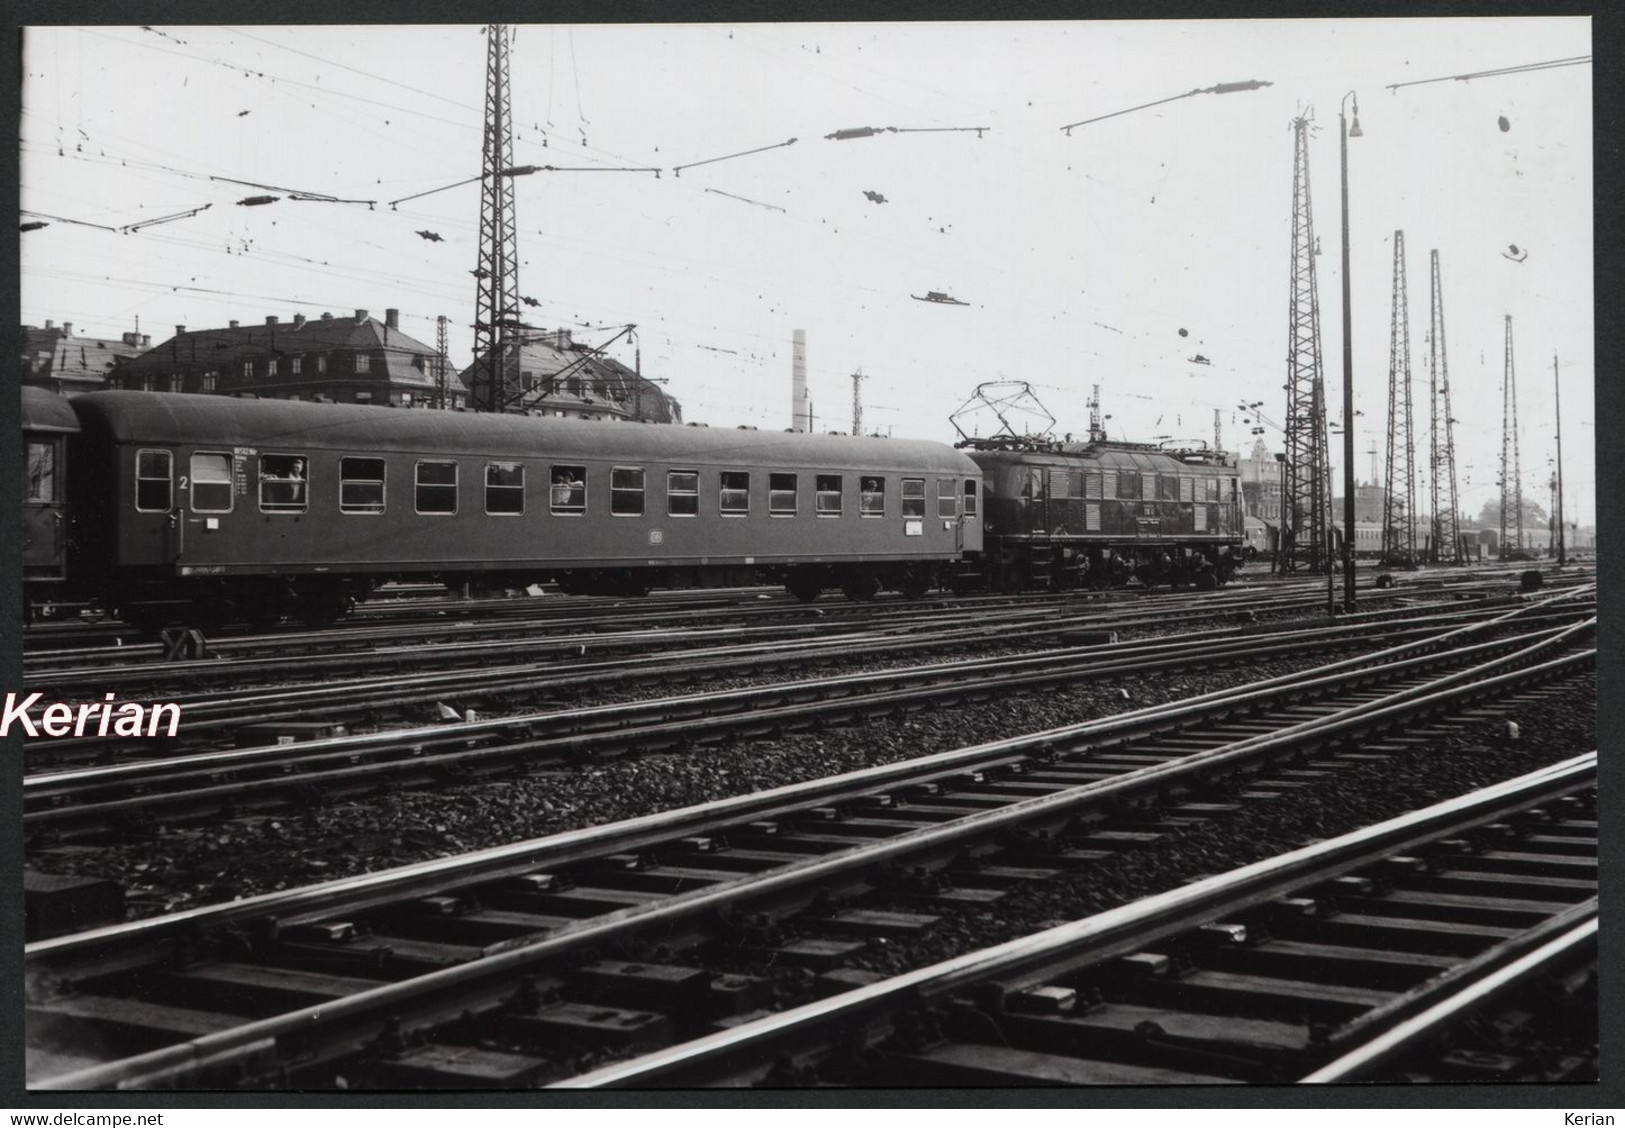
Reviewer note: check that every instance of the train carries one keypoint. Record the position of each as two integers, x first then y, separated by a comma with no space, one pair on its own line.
165,508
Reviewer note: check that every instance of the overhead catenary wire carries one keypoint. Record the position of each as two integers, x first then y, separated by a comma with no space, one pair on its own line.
745,200
1221,88
1523,68
524,170
677,170
294,193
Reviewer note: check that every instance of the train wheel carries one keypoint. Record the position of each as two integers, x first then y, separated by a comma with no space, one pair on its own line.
264,608
915,585
1017,578
321,607
804,586
861,588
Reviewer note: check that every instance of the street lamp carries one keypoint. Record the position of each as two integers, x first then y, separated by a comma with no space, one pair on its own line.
1348,360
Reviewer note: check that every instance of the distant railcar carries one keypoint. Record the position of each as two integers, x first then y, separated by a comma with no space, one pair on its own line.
188,506
47,423
1057,515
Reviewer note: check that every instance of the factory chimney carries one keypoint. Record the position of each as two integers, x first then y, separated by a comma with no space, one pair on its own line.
800,409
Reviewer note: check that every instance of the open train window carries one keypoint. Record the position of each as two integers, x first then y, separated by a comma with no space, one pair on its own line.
626,491
735,493
682,493
361,485
972,496
152,481
283,482
828,495
505,488
947,498
871,496
1128,485
569,496
782,500
437,487
40,484
913,495
211,483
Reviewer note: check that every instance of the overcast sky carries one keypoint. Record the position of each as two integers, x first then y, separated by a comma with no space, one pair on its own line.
1081,257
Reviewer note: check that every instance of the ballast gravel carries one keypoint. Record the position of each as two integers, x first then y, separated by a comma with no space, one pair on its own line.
187,867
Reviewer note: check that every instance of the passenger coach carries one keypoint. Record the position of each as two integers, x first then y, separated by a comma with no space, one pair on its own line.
47,422
265,508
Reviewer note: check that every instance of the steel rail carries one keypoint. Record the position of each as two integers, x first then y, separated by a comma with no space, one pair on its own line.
685,821
49,798
808,689
1104,658
1064,949
281,704
154,1067
1578,939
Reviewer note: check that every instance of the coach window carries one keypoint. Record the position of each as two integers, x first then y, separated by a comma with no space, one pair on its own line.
152,481
781,495
972,496
913,493
40,485
947,498
283,478
626,491
505,488
829,495
683,493
361,485
872,496
437,487
1092,485
735,493
211,483
569,490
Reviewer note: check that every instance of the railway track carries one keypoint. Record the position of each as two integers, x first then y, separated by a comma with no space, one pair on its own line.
50,658
490,969
144,795
561,668
1350,959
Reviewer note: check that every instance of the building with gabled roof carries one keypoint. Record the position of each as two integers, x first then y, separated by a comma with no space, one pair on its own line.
56,359
326,359
550,374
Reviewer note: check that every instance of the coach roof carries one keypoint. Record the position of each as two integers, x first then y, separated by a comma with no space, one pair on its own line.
186,420
44,410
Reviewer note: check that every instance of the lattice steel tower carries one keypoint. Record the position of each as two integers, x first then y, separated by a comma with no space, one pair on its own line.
1399,502
1305,499
441,397
1446,548
1511,478
496,313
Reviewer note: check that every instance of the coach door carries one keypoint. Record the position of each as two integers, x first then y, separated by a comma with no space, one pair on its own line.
43,502
1036,492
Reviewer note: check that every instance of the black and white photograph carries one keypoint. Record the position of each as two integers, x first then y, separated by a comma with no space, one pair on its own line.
1048,556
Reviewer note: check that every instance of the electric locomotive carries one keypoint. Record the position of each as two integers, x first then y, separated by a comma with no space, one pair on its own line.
1058,515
